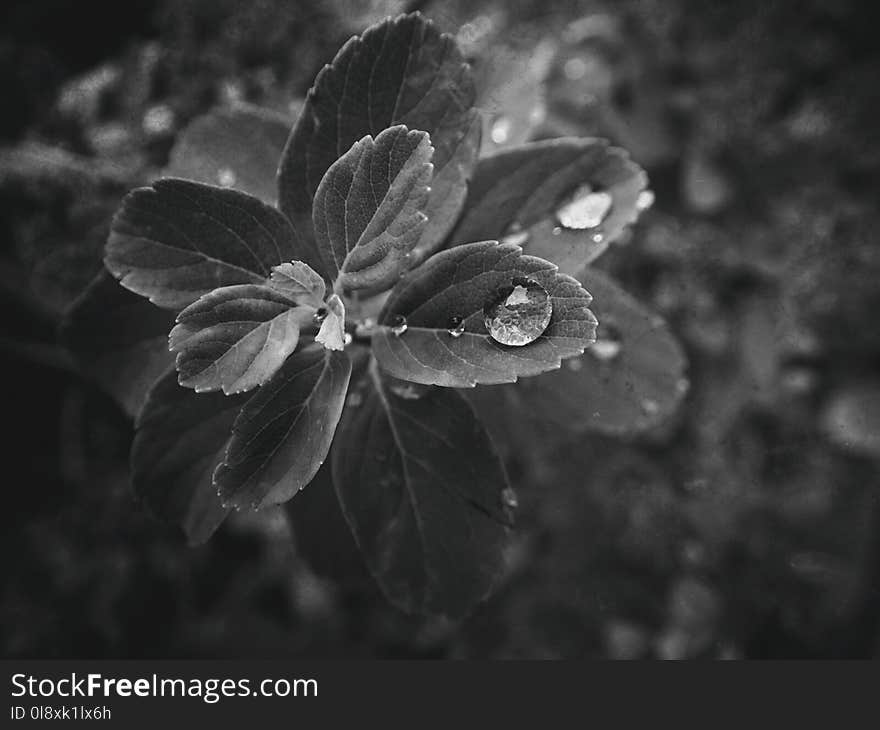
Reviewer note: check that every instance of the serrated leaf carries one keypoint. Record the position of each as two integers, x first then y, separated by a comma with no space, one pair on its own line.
282,436
519,194
332,332
118,339
368,208
181,437
632,379
423,491
400,71
299,282
177,240
238,147
235,338
455,285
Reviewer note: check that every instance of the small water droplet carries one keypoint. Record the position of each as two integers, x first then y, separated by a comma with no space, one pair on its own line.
650,407
456,327
597,238
556,230
585,208
645,200
354,399
501,129
226,177
607,346
518,314
516,235
347,338
398,325
509,498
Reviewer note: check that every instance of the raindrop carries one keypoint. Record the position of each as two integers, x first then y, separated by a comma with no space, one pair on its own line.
597,238
398,325
607,346
645,200
518,314
456,327
500,131
585,208
509,498
226,177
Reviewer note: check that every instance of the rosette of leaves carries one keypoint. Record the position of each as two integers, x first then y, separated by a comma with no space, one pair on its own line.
256,331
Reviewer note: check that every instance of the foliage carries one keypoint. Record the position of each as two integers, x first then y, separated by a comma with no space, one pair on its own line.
333,320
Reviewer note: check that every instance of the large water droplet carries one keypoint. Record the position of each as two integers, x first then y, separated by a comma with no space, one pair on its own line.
518,314
509,498
456,327
398,325
585,208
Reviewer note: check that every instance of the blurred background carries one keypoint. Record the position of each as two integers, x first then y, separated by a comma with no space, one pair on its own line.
747,526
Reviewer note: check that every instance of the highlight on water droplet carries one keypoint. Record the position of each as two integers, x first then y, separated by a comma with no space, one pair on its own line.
398,325
518,314
456,327
226,177
509,498
585,208
607,345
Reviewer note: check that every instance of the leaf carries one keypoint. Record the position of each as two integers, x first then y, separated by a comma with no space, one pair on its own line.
423,491
236,337
237,147
449,189
401,71
332,331
639,386
282,435
181,437
518,194
455,285
177,240
118,339
368,209
298,281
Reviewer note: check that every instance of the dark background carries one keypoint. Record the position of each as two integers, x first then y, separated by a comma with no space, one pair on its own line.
748,526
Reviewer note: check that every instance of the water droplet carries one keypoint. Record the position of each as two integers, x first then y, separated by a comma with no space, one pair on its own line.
347,338
650,407
354,399
456,327
509,498
556,230
518,314
585,208
398,325
607,346
226,177
645,200
597,237
516,235
501,129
